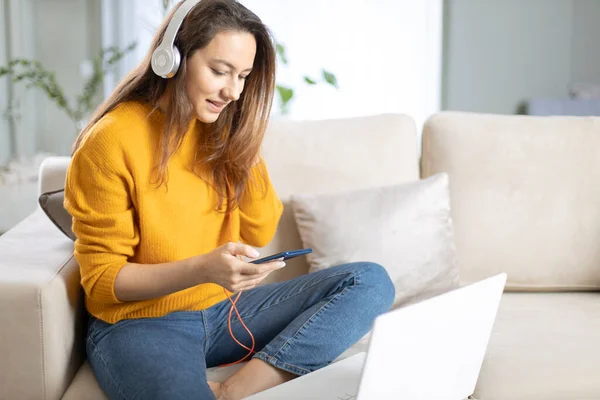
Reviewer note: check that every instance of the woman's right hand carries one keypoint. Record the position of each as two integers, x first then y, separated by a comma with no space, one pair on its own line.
223,267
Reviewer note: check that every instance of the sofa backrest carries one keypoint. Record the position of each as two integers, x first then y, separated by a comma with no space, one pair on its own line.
525,195
327,156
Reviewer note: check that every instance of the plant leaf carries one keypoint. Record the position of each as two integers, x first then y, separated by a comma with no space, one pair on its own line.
330,78
281,53
309,80
166,4
285,93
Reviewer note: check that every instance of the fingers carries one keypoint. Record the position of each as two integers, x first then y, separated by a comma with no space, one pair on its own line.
239,249
259,269
255,275
251,283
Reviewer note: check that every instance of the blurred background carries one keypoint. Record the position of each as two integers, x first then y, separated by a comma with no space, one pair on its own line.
336,59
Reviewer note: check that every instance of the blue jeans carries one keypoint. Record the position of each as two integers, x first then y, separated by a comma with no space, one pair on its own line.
299,326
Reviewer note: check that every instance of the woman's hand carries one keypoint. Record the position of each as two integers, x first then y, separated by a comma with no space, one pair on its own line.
221,266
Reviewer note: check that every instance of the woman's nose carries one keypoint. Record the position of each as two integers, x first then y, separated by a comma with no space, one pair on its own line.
232,91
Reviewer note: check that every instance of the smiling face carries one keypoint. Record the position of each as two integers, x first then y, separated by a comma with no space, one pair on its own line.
216,74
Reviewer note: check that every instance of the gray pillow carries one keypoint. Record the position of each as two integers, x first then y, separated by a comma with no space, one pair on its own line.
407,228
52,204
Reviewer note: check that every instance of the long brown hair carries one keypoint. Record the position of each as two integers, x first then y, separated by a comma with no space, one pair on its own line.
232,143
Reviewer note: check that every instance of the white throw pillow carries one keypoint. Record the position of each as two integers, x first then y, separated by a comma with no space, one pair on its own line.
406,228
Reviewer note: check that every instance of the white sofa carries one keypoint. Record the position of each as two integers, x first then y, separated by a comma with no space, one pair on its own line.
525,200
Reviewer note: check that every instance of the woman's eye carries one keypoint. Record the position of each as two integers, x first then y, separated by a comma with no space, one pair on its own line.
218,73
244,77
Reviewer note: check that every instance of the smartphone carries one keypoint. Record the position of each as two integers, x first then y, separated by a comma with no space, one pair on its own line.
284,255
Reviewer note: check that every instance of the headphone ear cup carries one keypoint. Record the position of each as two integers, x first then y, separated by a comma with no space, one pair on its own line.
165,62
176,62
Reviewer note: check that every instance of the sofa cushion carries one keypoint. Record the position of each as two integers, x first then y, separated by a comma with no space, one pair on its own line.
52,204
525,196
406,228
544,346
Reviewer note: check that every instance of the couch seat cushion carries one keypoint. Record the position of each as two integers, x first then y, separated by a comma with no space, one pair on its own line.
543,346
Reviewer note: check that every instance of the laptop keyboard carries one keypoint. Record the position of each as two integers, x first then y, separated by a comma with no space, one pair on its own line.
346,396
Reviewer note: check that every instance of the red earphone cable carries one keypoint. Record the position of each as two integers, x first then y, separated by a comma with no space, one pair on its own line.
233,302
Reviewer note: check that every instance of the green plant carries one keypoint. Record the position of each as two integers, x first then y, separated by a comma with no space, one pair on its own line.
286,94
36,75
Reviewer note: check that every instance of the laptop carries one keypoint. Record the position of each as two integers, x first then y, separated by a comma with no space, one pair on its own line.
431,350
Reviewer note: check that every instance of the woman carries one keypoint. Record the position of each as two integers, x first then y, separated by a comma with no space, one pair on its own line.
164,183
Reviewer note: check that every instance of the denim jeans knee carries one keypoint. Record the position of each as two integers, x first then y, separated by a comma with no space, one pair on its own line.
381,291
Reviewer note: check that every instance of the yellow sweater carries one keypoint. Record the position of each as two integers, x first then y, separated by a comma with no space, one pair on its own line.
120,216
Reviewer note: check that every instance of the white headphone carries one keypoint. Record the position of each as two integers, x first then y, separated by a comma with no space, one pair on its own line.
166,58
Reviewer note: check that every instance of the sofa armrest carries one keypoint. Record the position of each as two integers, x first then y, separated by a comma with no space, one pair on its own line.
41,312
53,172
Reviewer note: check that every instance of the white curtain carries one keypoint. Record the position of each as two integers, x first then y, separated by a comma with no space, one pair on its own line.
386,54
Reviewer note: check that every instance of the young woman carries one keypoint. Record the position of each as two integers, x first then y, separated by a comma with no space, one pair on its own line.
165,185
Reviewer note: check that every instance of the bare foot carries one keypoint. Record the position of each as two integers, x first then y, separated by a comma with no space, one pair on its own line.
245,382
217,389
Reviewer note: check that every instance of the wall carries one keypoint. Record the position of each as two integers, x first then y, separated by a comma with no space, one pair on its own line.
498,54
586,35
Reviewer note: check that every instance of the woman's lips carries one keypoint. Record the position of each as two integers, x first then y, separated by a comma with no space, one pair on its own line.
216,107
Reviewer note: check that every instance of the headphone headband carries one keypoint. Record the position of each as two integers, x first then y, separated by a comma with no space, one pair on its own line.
166,58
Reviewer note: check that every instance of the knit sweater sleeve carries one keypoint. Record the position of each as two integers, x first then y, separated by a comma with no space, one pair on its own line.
260,208
98,197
